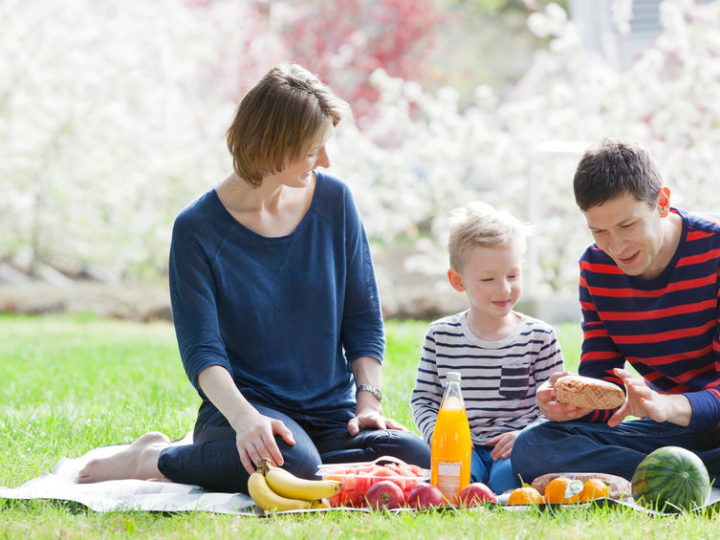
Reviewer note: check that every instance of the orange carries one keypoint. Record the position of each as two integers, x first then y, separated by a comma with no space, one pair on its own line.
593,489
525,495
563,490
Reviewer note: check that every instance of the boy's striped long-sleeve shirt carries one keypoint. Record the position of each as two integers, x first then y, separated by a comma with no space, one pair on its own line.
665,327
499,378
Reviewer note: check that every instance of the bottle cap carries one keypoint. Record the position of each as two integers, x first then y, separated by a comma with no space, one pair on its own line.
453,376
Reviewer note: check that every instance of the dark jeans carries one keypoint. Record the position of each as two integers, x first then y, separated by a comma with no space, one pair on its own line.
213,462
583,447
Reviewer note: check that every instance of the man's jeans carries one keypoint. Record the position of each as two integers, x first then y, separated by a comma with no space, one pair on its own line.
584,447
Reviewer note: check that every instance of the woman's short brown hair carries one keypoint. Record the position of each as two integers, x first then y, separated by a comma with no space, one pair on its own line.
279,119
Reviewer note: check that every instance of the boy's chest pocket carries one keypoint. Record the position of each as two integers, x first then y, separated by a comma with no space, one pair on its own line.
515,380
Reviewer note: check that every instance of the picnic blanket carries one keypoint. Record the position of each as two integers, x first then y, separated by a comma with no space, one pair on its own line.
127,495
152,496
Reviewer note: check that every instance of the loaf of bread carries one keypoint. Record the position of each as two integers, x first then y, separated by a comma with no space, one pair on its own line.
588,393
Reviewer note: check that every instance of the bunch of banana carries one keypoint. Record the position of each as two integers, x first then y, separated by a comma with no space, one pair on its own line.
275,490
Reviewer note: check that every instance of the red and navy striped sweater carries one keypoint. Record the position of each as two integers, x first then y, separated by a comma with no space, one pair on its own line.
666,327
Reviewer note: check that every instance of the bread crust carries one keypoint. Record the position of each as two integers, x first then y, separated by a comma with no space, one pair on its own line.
588,392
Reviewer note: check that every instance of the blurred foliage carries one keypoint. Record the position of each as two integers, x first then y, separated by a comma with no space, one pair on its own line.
112,118
345,42
486,7
485,42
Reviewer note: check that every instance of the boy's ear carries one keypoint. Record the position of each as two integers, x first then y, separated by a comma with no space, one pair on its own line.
663,201
455,280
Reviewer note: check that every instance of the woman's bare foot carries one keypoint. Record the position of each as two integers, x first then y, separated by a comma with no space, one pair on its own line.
138,461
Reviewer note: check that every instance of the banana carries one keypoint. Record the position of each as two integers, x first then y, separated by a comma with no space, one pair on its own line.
267,499
288,485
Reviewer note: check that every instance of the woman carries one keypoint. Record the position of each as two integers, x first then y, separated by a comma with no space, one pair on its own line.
275,307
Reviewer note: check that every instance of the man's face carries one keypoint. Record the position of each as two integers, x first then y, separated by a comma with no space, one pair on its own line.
630,232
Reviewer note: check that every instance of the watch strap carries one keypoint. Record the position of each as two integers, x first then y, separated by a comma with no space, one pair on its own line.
374,390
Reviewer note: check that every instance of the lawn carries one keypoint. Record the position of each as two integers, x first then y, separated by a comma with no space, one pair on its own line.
70,384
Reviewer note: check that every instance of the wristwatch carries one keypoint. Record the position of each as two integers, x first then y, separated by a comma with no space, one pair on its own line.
374,390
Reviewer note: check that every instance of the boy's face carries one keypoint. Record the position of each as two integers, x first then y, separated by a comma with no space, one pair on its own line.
491,277
631,233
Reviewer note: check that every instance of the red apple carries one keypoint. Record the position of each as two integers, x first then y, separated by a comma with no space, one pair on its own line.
385,494
425,495
476,493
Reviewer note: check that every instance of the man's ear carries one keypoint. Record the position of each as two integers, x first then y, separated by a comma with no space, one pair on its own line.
455,280
663,201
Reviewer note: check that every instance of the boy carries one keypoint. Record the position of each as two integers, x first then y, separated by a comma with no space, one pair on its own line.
649,289
503,355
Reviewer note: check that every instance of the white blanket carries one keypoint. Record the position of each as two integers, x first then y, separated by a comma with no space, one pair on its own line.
127,494
152,496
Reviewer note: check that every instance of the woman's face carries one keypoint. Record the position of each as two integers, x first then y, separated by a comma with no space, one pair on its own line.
297,174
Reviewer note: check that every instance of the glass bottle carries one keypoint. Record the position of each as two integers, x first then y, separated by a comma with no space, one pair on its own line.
451,447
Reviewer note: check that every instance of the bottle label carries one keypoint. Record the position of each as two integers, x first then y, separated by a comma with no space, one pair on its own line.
448,480
449,469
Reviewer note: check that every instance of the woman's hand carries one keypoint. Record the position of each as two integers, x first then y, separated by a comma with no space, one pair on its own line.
551,408
368,412
644,402
370,416
255,440
503,444
254,432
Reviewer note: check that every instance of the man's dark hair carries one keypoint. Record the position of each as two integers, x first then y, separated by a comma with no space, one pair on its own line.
613,169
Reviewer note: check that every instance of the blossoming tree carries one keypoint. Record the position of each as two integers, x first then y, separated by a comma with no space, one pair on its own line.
112,116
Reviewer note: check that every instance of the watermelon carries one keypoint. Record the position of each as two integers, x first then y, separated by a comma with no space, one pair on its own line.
671,479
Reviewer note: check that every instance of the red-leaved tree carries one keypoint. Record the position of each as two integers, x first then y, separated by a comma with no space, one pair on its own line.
345,41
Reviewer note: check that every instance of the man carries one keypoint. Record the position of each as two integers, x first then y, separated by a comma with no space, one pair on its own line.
649,296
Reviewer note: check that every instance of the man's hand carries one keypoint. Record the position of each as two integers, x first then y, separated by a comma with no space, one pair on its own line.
503,444
551,408
643,402
255,440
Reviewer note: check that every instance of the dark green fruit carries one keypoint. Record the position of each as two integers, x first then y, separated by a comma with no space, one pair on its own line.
671,479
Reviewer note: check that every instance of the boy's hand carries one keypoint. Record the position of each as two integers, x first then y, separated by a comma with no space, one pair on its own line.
503,444
551,408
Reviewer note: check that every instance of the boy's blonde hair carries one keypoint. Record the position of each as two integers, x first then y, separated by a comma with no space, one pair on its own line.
479,224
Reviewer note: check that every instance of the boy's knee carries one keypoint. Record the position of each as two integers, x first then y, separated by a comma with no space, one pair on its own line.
480,465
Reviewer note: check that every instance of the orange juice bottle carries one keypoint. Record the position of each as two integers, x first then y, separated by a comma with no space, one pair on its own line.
451,444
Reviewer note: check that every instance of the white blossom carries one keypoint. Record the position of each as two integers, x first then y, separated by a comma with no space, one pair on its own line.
112,118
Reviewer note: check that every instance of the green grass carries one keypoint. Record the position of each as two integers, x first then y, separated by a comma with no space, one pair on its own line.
69,384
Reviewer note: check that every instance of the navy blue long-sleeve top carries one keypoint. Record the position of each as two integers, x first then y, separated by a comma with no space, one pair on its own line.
286,315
